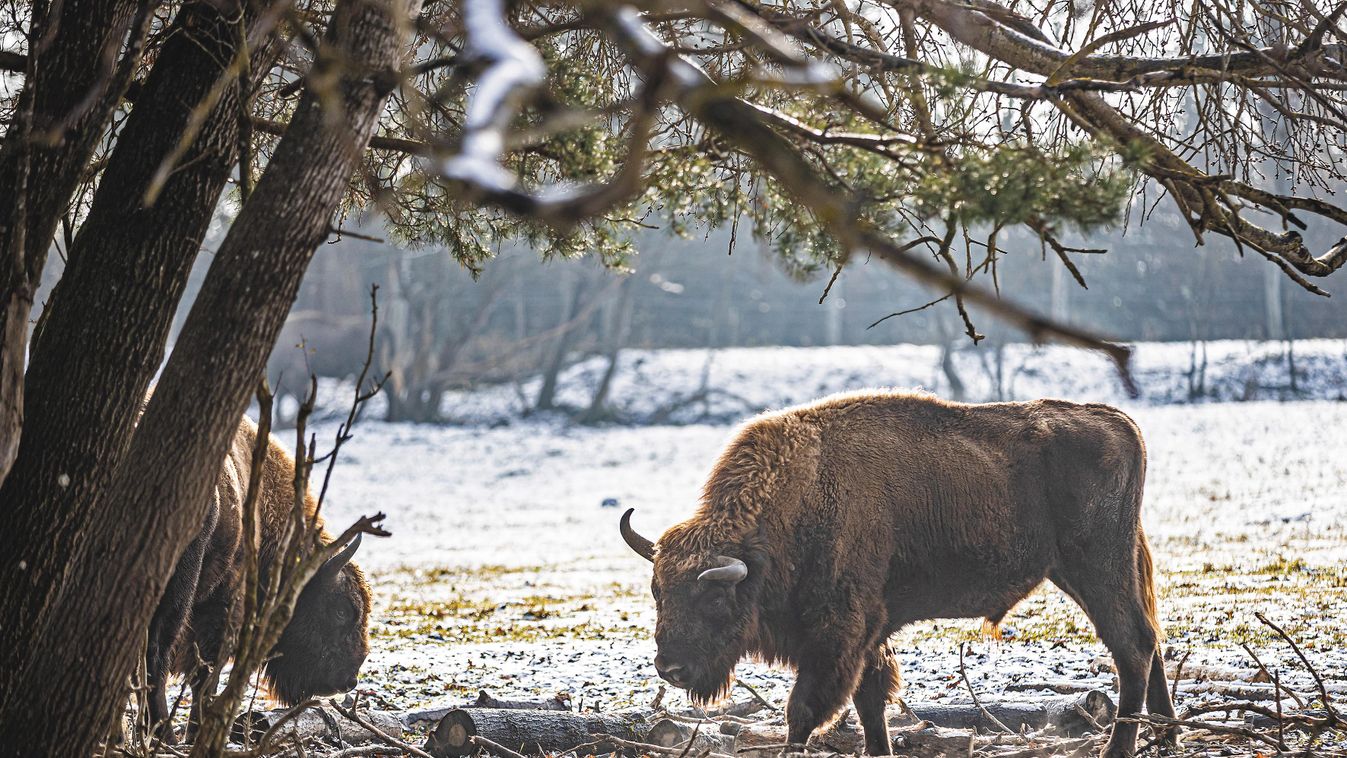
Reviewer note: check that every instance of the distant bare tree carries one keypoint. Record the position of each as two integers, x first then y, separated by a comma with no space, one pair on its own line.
433,314
616,328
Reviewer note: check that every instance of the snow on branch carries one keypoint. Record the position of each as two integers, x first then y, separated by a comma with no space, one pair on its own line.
513,71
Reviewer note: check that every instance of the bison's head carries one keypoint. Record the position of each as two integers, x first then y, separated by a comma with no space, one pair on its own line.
706,601
327,639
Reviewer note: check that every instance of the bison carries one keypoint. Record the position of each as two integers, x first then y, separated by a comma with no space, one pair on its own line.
321,649
825,528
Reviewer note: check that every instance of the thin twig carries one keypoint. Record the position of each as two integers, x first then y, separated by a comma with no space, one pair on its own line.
494,747
691,740
1318,680
1153,720
1178,674
1276,681
756,695
643,747
963,672
387,739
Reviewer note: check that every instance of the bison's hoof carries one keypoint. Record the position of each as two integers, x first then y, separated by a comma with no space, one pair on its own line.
1169,743
167,735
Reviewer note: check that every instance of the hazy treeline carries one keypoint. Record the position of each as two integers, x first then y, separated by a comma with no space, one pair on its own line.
440,329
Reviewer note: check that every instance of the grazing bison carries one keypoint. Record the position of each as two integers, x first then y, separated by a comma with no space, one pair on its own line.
825,528
327,639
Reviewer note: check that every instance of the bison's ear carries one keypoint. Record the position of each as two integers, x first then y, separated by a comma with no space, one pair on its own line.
731,570
337,562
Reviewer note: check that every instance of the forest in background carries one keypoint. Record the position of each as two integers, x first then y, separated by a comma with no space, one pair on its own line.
442,329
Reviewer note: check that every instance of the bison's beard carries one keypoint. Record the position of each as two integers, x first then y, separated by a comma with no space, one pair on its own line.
713,677
293,684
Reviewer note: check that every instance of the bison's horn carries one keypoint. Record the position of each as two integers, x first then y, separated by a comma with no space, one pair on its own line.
336,562
643,547
730,570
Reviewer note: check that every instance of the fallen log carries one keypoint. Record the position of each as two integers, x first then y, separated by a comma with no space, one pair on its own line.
705,736
766,740
763,740
532,732
1240,690
1071,715
933,740
737,710
1059,686
1212,672
554,703
433,713
549,731
314,722
1247,691
921,738
1290,721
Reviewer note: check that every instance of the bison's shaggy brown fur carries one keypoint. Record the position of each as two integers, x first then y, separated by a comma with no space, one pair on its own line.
828,527
327,639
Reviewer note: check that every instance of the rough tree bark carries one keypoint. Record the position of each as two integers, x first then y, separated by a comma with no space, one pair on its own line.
72,83
127,266
72,681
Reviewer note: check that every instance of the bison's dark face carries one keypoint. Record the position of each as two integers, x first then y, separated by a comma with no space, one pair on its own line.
327,639
706,604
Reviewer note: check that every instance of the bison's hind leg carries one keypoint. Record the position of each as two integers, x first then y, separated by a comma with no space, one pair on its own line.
1112,599
879,681
1158,701
166,628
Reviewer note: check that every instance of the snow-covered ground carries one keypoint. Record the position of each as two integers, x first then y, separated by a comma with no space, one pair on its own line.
662,384
506,570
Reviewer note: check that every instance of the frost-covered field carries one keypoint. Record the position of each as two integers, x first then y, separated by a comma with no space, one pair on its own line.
506,571
668,385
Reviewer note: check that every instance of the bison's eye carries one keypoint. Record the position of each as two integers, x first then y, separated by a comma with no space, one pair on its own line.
343,613
715,602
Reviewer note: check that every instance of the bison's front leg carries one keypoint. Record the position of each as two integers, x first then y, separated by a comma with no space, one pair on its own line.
878,683
826,678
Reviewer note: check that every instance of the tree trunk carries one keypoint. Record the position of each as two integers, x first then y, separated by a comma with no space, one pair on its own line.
73,682
547,394
958,391
619,329
127,267
72,83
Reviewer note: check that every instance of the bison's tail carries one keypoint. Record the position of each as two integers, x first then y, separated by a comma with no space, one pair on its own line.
1146,578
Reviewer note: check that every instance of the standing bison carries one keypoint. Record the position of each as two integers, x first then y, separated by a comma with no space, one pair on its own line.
825,528
327,639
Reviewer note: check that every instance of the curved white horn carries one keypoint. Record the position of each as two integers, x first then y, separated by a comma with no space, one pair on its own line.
730,570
